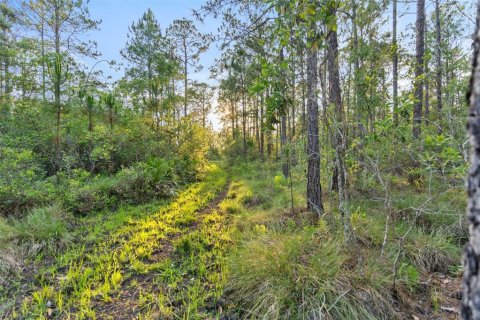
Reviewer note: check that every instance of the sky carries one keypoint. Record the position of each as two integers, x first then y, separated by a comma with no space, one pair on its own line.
118,15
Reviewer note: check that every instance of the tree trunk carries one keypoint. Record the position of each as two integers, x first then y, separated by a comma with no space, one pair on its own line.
314,188
292,133
283,131
90,120
302,77
185,57
57,88
419,68
262,136
471,261
356,69
438,56
395,64
427,82
335,98
42,43
244,120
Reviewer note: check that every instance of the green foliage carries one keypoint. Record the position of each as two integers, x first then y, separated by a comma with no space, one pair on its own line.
235,153
187,282
101,167
409,276
135,185
21,186
434,252
41,224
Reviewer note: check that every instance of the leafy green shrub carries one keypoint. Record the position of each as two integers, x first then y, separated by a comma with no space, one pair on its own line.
92,196
144,181
140,183
21,185
235,151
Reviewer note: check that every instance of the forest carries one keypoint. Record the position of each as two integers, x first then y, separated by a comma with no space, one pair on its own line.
254,159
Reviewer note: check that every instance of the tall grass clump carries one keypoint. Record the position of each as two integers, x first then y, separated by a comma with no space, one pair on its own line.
303,275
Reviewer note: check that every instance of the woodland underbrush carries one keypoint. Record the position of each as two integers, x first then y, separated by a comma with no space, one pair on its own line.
288,265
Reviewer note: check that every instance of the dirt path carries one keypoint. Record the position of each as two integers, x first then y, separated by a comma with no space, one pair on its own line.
127,305
167,265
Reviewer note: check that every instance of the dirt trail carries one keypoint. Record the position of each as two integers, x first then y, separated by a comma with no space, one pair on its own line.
126,305
164,263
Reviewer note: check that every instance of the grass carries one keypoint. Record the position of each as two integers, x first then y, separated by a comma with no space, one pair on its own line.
286,266
91,280
249,255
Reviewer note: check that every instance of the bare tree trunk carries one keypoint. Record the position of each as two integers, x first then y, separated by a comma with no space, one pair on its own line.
232,104
438,56
335,98
314,188
185,80
262,136
283,131
42,44
395,64
427,82
419,70
244,122
471,260
57,87
302,77
356,69
292,132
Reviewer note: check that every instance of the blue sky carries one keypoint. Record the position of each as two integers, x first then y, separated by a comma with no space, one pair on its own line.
118,15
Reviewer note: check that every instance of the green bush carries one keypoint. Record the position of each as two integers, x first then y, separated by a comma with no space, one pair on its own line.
22,186
93,196
145,181
234,150
135,185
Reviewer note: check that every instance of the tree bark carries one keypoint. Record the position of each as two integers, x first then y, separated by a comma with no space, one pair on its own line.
471,261
395,64
426,82
356,70
244,119
57,87
419,68
185,57
335,98
314,189
438,56
283,131
262,136
302,77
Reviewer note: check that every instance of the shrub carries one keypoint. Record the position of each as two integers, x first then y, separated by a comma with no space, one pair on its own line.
135,185
235,152
145,181
92,197
21,185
